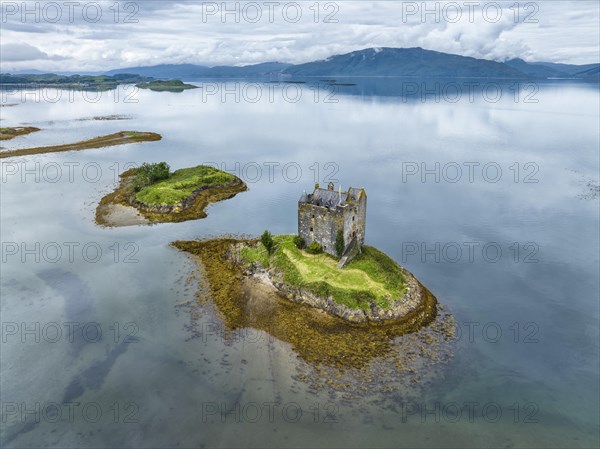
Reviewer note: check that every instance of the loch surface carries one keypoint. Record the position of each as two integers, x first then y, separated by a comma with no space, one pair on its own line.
492,202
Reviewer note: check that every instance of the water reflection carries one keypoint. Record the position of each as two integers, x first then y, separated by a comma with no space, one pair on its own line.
373,140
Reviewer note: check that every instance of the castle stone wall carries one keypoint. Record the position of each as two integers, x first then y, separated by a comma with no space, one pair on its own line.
319,224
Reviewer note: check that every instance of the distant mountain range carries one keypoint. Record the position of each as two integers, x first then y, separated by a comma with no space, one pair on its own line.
404,62
551,70
191,71
398,62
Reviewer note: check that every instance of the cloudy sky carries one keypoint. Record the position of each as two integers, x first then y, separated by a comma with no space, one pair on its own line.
94,36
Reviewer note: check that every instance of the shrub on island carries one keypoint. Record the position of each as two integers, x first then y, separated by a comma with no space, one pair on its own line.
340,246
299,242
314,248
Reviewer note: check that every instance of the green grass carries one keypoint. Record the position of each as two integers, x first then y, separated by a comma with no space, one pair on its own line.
259,254
380,267
370,278
181,184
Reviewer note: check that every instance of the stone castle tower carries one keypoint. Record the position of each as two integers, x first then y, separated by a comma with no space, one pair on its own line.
324,212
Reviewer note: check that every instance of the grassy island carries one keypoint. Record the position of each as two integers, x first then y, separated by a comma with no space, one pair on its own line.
371,278
166,86
11,133
372,288
119,138
248,296
181,184
154,194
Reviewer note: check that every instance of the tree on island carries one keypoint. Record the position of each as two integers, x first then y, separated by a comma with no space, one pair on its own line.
155,172
339,243
267,240
148,174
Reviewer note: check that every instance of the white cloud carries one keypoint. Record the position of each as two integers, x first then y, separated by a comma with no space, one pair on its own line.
196,32
23,52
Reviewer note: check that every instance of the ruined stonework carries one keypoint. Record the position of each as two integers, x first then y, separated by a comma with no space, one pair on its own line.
324,212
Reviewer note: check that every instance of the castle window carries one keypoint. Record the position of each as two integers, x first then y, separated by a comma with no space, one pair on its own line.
311,229
313,215
353,218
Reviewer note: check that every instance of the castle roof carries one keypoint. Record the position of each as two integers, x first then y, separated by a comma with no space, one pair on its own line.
331,198
325,197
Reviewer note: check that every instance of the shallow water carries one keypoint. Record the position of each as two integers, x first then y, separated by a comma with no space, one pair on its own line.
513,255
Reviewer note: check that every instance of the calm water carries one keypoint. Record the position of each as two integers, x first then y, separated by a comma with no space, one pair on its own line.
504,230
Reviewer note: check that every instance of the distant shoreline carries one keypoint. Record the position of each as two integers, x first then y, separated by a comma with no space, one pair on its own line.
83,82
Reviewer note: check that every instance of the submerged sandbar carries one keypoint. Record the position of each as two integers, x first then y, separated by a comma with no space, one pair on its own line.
11,133
120,138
